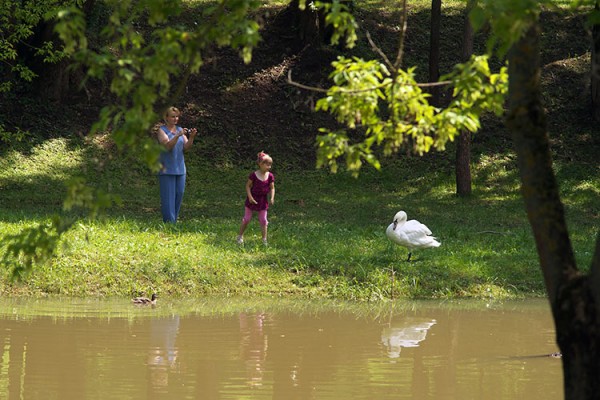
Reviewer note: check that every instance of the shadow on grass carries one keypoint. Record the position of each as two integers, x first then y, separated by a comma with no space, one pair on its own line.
331,225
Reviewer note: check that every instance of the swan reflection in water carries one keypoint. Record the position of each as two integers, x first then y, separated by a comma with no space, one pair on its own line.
407,333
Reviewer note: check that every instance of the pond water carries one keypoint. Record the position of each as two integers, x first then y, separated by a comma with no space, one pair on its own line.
233,349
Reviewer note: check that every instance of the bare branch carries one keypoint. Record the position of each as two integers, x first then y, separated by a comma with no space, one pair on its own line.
301,86
403,23
321,90
432,84
398,62
380,52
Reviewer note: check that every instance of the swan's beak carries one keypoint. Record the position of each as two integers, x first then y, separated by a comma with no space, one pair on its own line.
395,225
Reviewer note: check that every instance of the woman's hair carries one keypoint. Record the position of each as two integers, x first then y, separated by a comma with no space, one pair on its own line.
171,109
262,156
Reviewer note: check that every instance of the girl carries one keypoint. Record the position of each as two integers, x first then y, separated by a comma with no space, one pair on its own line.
260,191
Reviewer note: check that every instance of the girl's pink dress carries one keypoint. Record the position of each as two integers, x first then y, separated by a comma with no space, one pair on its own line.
260,190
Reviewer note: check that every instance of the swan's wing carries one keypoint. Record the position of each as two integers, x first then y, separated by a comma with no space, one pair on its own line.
420,236
424,241
414,225
397,236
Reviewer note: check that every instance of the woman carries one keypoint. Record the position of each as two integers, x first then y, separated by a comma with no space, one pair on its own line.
171,176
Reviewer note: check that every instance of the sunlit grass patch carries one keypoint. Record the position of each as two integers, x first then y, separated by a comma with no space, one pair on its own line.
326,238
326,233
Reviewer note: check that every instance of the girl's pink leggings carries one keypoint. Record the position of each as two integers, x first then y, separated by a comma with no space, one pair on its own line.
262,216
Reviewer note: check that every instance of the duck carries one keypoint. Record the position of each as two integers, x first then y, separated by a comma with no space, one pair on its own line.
410,234
145,301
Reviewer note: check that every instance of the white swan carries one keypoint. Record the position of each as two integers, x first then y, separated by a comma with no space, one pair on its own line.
410,234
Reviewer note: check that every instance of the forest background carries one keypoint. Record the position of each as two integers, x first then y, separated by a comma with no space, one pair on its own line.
327,231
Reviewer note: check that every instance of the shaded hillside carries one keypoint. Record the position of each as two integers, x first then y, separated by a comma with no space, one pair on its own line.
242,109
247,108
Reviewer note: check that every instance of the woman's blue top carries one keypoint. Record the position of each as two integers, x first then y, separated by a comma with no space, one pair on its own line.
172,162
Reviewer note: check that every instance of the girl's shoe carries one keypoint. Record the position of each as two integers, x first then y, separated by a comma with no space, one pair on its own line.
240,239
265,242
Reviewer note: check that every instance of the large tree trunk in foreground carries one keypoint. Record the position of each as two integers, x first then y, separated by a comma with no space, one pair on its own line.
574,297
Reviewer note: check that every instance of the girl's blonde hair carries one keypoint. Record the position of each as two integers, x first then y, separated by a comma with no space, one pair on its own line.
262,156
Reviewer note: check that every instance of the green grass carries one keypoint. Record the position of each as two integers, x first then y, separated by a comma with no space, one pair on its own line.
327,231
326,240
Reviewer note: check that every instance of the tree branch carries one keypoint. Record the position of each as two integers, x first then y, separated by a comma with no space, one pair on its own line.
301,86
403,23
380,52
321,90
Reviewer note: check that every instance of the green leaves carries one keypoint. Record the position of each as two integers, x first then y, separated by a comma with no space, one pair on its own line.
476,88
393,111
148,68
509,19
337,15
17,23
143,66
358,88
33,245
82,196
37,244
146,52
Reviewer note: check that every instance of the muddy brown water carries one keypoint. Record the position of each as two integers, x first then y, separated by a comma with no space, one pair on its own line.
215,349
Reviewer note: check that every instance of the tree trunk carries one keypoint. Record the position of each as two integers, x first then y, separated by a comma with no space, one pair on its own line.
307,22
434,51
573,296
595,68
462,168
310,24
55,79
463,143
53,83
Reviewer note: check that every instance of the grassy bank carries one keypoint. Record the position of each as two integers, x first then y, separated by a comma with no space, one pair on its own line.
327,235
